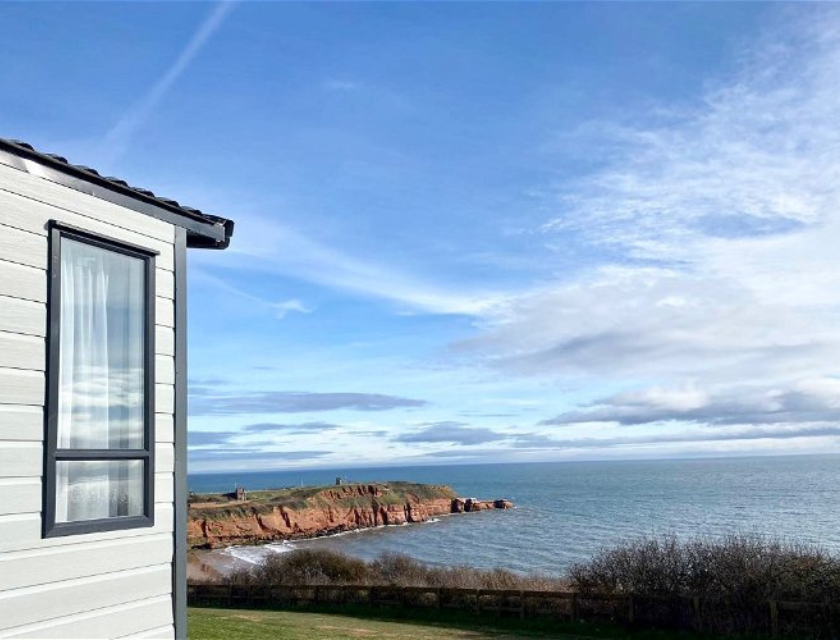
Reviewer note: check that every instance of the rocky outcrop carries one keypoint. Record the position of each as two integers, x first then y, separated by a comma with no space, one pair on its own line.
468,505
267,516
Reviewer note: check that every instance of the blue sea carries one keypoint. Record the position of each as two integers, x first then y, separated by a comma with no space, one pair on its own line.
566,511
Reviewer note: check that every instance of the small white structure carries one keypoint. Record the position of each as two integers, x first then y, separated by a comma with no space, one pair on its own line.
92,401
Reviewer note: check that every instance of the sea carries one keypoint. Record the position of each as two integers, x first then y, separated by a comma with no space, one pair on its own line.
567,511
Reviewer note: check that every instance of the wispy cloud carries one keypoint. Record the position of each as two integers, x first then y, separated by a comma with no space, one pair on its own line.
693,436
279,309
119,137
757,155
282,309
453,432
263,459
202,438
715,228
303,427
339,85
215,402
265,245
811,401
765,440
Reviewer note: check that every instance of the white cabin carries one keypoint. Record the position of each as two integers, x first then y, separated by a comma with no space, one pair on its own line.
93,397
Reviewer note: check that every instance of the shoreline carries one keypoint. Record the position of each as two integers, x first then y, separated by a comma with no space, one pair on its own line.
211,565
199,570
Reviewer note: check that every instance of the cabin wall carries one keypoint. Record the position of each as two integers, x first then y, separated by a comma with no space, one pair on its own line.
109,584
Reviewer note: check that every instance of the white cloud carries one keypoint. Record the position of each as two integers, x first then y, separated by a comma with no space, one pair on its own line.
282,309
339,85
714,301
725,218
758,152
119,137
265,245
279,309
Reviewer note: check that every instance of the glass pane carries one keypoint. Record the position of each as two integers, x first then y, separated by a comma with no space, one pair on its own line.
93,489
101,381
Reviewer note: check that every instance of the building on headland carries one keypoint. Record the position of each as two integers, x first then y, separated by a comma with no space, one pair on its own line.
93,392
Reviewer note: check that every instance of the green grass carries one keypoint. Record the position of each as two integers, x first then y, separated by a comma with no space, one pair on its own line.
361,622
246,624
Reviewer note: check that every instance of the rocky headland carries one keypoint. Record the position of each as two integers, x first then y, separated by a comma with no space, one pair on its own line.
220,520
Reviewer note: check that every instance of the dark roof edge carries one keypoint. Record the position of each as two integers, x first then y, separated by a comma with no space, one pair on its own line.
204,231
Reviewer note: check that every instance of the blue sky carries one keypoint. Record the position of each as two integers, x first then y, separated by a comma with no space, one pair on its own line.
475,232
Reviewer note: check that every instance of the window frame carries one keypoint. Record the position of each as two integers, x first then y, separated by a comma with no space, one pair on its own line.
52,454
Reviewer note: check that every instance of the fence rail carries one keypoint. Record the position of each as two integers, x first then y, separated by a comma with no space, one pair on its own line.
775,618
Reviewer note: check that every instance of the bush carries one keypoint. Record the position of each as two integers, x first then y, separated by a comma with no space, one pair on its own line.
324,567
400,570
741,568
308,566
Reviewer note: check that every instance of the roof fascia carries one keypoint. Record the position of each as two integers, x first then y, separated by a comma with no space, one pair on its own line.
200,233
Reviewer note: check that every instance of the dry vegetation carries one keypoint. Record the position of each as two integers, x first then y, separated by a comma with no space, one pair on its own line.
745,569
740,568
723,585
318,567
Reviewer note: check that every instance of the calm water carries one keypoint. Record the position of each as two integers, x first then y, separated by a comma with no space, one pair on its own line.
567,511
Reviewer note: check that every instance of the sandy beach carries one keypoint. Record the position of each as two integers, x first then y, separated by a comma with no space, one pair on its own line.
207,566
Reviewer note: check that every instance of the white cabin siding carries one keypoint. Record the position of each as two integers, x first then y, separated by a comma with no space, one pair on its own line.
23,316
132,619
109,584
30,605
19,351
20,495
22,531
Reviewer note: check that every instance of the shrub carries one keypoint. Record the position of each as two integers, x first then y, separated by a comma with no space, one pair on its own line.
744,569
321,566
309,566
400,570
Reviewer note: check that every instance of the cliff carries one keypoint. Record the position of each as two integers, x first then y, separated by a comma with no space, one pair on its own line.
307,512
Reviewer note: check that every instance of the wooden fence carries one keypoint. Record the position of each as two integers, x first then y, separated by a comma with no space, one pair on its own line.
775,618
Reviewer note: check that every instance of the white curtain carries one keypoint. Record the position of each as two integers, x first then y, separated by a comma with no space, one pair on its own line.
101,382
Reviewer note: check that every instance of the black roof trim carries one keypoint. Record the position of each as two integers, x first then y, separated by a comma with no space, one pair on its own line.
204,230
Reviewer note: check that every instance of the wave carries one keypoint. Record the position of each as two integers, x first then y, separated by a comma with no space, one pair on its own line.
257,555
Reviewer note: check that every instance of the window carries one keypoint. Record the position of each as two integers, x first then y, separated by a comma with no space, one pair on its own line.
100,406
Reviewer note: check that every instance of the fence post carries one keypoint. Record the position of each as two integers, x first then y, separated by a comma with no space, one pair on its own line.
522,604
478,601
631,609
774,618
315,594
230,595
439,598
372,596
574,607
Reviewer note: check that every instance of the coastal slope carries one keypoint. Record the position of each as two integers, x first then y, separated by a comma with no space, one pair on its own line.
306,512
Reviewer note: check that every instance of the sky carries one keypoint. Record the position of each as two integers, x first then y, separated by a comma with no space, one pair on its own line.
474,232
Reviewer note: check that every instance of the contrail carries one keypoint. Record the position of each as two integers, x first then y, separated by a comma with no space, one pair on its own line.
118,137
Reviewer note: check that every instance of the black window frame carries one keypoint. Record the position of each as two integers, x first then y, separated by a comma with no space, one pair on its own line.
52,454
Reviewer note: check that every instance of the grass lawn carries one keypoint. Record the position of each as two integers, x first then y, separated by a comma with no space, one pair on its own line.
246,624
395,624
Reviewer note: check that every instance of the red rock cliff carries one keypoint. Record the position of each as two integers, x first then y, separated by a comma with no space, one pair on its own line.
266,516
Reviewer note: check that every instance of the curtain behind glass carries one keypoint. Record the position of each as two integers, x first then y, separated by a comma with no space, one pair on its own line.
94,489
101,372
